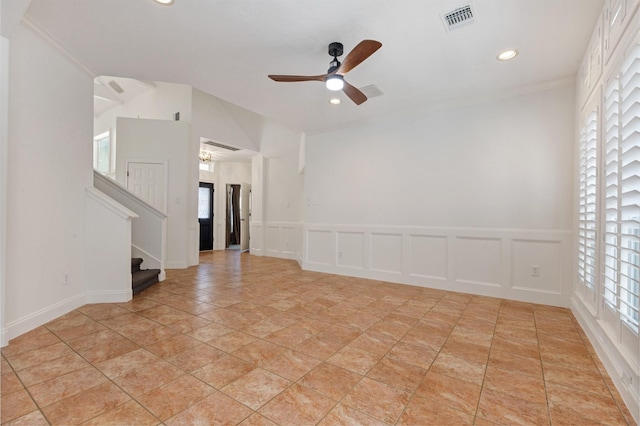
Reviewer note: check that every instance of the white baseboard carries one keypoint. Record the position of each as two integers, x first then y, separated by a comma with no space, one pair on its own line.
109,296
3,338
182,264
613,362
36,319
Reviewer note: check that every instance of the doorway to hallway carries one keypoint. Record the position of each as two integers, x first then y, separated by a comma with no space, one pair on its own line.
205,215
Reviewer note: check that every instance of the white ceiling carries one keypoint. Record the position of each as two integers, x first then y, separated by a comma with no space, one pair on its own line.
228,47
106,97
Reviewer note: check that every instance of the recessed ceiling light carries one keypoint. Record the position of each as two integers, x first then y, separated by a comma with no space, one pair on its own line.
507,54
165,2
335,101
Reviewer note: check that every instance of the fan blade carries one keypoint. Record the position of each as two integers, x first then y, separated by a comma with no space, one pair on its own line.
362,51
354,93
293,78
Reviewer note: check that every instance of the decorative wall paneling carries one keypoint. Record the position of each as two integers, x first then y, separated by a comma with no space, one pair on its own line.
276,239
514,264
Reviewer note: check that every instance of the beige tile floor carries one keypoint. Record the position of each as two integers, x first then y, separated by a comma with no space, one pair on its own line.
256,341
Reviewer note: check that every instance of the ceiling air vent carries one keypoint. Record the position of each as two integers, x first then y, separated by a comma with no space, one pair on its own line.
219,145
458,18
371,91
115,86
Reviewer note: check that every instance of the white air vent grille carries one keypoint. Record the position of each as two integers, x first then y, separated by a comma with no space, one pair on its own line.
371,91
458,18
219,145
115,86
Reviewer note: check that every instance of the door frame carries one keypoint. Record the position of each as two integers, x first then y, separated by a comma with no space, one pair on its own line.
213,214
245,219
165,165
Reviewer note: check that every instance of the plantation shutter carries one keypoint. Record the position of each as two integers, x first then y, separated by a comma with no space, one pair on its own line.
611,240
587,206
629,190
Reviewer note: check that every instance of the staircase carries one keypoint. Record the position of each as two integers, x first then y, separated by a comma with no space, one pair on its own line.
142,278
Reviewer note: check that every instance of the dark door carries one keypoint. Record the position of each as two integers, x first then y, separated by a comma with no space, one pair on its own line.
205,215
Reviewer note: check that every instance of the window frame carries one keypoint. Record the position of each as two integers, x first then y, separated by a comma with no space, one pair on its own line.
97,139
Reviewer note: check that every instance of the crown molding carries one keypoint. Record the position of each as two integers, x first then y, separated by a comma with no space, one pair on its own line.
28,22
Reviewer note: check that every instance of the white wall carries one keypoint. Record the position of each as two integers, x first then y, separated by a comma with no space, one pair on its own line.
466,199
108,249
49,166
504,164
159,103
223,122
163,141
4,112
283,193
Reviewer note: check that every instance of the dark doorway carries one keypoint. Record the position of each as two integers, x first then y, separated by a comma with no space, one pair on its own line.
205,215
233,216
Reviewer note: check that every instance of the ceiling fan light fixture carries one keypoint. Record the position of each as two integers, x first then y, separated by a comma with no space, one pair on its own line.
335,101
165,2
507,55
335,82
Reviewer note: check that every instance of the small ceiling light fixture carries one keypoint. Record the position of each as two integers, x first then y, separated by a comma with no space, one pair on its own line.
335,82
164,2
507,55
335,101
205,156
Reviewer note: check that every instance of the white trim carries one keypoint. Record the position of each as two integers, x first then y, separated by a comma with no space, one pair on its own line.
115,207
42,316
181,264
611,358
46,36
106,296
279,239
4,142
124,191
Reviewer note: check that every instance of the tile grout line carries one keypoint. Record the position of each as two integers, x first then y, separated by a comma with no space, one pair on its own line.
96,368
544,377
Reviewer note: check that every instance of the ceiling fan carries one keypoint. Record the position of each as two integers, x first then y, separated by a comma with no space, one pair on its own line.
334,78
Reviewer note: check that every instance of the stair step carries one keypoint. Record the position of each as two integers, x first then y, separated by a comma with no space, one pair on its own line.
135,264
143,279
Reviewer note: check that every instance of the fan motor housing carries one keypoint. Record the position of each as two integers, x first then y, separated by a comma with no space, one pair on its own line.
336,49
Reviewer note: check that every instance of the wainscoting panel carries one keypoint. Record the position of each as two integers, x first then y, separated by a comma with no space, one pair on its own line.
489,262
273,246
478,261
526,271
255,239
290,240
386,253
350,250
277,239
428,256
320,248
